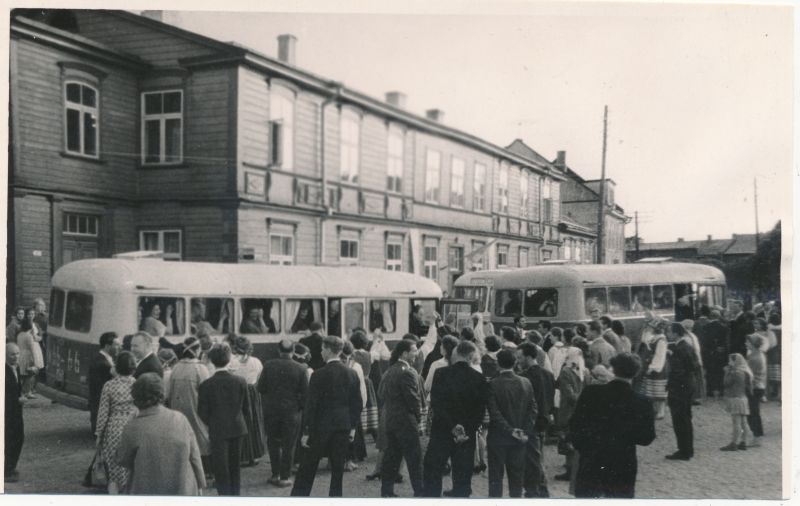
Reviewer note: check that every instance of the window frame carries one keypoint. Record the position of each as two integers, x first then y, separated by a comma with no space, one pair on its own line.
479,187
162,121
457,194
502,190
281,153
393,262
502,249
82,110
349,149
433,194
161,242
395,165
357,243
281,258
68,321
430,267
77,233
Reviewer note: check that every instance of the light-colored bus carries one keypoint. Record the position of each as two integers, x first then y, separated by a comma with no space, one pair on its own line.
265,303
477,286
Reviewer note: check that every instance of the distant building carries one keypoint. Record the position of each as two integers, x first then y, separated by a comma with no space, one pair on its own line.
718,252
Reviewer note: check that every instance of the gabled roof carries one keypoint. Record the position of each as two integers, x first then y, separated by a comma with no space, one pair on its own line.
744,244
714,247
522,149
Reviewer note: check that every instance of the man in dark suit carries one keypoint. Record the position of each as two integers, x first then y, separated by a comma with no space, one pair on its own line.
512,411
146,360
544,393
100,372
402,403
221,404
332,411
459,396
283,385
741,327
683,366
314,343
14,426
715,346
608,422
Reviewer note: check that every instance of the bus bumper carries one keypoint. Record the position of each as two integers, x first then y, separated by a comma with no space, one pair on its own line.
61,397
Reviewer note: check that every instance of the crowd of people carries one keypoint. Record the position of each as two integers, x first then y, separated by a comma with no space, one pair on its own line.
447,401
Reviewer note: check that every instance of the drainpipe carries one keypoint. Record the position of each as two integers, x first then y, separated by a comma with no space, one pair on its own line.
327,211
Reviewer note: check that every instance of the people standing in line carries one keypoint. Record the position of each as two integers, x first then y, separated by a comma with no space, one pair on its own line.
608,333
652,351
158,446
600,350
31,360
738,383
757,362
313,342
283,385
512,411
100,372
619,329
332,411
459,396
221,404
184,391
15,325
715,345
741,325
683,366
544,393
402,403
774,359
14,423
245,365
570,383
609,421
146,361
115,411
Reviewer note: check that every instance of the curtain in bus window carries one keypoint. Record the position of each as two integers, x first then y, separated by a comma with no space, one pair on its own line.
292,311
662,298
382,316
541,302
619,300
595,301
180,321
641,299
316,310
301,313
353,316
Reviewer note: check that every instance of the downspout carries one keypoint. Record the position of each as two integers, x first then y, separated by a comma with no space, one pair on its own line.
326,209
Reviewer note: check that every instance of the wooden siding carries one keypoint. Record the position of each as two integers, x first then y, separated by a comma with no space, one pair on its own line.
253,233
31,251
374,152
203,229
306,134
252,120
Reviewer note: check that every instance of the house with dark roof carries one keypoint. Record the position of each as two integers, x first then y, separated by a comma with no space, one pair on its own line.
715,251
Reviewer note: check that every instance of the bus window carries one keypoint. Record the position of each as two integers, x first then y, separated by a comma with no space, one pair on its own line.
507,303
595,300
662,298
476,293
704,296
303,312
160,316
456,315
56,307
211,316
260,316
641,299
619,300
353,316
541,302
334,317
382,315
79,312
428,311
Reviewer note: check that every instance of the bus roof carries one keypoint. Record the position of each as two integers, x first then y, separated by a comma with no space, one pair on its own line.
612,274
195,278
480,278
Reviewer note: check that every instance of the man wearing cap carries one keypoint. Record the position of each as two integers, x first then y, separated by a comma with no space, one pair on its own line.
283,385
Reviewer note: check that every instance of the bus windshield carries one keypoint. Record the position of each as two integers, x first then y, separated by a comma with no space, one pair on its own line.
476,293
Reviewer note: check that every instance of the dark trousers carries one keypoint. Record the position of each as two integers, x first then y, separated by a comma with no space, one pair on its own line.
535,478
93,409
401,444
225,455
714,377
598,487
681,410
754,418
332,445
440,448
281,443
506,458
15,436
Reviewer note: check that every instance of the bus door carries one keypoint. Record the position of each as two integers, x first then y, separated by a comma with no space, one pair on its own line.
684,302
352,311
457,313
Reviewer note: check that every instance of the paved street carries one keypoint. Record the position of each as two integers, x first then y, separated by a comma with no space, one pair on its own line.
58,449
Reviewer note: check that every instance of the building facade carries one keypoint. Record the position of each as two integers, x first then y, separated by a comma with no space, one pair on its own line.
128,133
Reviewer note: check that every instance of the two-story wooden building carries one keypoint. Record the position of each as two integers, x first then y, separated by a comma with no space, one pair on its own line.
128,133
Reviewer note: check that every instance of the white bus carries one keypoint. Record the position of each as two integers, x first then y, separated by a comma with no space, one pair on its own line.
265,303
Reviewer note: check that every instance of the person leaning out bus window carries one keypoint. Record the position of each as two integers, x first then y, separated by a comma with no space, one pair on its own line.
255,323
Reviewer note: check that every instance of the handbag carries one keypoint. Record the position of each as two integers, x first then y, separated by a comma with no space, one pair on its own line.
97,476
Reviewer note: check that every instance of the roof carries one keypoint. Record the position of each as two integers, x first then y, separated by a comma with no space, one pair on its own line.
658,246
205,279
522,149
480,277
744,244
740,244
575,227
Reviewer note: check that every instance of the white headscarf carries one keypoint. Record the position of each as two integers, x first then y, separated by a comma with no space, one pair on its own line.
478,327
574,360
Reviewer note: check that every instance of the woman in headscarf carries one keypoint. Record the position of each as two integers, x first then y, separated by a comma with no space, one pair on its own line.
31,359
183,388
168,359
652,351
737,386
699,377
244,364
570,385
480,327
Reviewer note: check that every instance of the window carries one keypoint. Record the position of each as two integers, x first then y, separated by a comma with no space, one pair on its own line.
211,316
523,257
260,316
595,301
568,250
162,127
476,293
502,255
502,190
79,312
455,258
160,316
383,316
662,298
353,316
81,224
541,302
56,307
281,244
478,255
457,183
457,316
479,188
578,249
547,255
168,241
350,140
348,249
301,313
394,165
428,307
619,299
394,256
641,298
433,165
547,202
281,130
508,303
81,119
431,264
523,189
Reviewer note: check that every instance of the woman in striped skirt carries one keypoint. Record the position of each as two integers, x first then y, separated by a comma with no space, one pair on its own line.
653,352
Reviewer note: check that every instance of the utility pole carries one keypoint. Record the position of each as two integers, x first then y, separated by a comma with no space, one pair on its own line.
601,215
755,203
636,221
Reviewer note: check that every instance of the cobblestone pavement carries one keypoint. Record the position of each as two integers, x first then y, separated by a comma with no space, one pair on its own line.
58,449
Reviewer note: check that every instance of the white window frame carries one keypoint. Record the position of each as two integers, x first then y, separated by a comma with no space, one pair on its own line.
349,146
547,212
523,188
81,216
282,232
82,110
502,190
502,255
162,122
161,232
349,235
394,264
433,171
394,160
568,250
457,170
479,187
281,116
430,267
523,253
476,245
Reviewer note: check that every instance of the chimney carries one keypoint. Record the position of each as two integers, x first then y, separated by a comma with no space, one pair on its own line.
680,239
287,48
396,99
709,237
436,115
561,160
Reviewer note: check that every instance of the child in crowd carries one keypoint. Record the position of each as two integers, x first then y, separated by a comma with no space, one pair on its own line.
737,386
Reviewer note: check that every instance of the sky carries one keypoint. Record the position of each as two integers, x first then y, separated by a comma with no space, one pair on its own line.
699,96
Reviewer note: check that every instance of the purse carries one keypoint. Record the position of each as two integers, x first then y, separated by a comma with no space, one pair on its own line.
99,475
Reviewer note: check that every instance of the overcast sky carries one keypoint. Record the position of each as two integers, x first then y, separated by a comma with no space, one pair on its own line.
699,97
